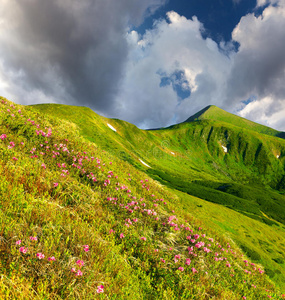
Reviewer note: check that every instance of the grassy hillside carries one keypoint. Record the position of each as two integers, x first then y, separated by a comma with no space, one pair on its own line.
199,145
190,157
233,178
260,242
78,221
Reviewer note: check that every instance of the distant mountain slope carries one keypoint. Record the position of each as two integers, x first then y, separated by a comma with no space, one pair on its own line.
213,112
207,150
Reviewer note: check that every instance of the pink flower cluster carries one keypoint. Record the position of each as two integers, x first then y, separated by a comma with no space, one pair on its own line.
23,249
80,263
40,255
86,248
78,273
100,289
3,136
51,258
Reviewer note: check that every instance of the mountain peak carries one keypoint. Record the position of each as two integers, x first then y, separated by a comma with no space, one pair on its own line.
209,112
214,113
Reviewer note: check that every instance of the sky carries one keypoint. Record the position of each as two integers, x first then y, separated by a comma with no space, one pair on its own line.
152,63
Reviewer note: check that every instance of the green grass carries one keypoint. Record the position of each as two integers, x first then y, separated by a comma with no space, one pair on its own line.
81,210
248,200
261,243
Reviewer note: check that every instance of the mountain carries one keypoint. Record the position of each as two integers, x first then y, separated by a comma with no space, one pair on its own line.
88,201
230,165
213,112
195,157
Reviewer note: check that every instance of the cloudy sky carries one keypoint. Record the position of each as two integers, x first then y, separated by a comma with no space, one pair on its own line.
152,63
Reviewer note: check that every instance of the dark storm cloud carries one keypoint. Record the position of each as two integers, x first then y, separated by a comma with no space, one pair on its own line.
67,51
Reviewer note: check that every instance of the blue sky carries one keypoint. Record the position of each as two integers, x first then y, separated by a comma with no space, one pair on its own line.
219,17
152,63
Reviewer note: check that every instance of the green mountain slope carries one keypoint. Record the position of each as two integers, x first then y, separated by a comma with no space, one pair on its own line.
191,157
213,112
79,210
248,178
260,156
193,153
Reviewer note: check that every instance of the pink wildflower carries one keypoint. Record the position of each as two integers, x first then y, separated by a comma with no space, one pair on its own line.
122,236
18,242
23,249
181,269
100,289
33,238
3,136
80,263
86,248
51,258
143,238
188,261
194,270
79,273
40,255
73,270
55,184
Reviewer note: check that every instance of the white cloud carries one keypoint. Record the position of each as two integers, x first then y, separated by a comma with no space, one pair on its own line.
176,45
266,111
259,66
215,74
260,3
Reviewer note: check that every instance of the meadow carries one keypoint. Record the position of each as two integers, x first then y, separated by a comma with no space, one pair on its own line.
82,218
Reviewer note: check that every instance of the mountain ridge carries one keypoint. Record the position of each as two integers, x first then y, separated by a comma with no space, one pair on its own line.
213,112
